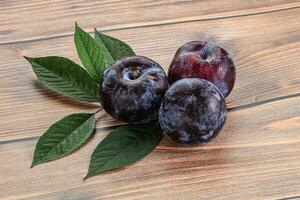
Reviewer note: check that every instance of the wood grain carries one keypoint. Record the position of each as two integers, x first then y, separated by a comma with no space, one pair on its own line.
35,19
256,156
267,66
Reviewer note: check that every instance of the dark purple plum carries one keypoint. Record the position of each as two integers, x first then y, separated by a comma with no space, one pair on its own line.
192,112
132,89
206,61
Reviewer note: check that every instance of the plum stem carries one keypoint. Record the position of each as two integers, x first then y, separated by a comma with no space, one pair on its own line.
135,74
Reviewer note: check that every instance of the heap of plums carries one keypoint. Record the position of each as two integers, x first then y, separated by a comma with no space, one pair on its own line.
189,103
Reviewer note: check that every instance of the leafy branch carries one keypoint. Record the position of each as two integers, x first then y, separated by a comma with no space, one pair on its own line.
124,145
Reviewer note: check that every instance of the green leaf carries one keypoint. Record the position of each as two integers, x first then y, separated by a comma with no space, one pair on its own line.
112,48
65,77
89,53
123,146
63,137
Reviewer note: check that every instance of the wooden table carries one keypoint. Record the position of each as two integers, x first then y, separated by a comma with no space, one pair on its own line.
256,156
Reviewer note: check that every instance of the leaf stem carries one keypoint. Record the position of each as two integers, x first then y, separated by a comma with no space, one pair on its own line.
98,110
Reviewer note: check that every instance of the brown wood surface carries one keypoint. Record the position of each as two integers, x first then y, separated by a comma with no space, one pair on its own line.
35,19
256,156
266,62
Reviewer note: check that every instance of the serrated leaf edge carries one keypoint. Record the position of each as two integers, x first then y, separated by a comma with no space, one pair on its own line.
95,71
94,172
99,34
30,60
40,161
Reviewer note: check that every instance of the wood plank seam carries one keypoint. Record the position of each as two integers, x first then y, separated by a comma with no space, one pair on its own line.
242,107
289,198
231,109
150,25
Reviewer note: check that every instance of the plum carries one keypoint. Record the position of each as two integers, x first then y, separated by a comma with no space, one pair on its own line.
192,112
132,89
204,60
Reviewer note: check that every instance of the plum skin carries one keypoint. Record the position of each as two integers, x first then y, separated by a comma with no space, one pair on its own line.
132,89
192,112
204,60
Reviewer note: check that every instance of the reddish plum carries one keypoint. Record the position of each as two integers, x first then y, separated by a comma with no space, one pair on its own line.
206,61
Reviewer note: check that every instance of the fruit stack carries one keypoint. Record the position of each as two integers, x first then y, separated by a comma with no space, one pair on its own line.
192,110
